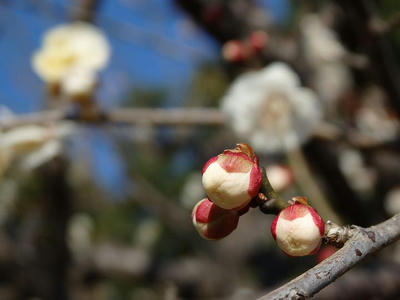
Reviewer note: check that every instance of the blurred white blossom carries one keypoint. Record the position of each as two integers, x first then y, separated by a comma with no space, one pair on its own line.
280,176
321,44
359,176
78,82
270,109
68,46
33,144
147,233
325,54
46,152
392,201
6,114
192,191
373,120
80,228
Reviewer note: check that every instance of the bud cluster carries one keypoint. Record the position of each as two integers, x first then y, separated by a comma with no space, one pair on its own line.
237,51
231,180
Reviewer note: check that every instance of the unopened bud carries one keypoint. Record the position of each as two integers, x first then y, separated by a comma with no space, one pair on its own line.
298,230
280,177
258,40
232,178
213,222
234,51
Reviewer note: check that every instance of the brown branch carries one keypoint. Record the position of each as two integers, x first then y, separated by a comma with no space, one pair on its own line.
84,10
175,116
362,242
268,200
125,116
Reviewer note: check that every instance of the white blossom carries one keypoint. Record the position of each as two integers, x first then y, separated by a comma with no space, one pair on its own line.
358,174
33,144
192,190
79,81
270,109
321,44
79,232
373,120
325,54
70,45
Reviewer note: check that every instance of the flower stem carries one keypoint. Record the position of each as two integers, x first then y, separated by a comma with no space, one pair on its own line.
273,203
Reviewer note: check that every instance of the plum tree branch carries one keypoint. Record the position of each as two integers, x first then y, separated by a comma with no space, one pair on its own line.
148,116
361,242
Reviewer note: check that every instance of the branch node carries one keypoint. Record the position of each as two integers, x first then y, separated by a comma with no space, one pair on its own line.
338,235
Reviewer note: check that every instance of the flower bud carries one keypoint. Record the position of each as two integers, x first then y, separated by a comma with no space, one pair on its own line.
280,177
258,40
232,178
298,230
234,51
213,222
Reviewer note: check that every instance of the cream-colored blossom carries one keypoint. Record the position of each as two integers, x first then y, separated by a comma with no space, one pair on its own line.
271,110
79,81
70,45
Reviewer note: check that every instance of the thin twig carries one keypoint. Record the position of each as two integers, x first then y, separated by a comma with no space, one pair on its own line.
363,241
273,203
125,116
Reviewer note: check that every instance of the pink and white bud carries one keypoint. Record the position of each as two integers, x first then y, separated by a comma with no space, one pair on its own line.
280,177
213,222
234,51
298,230
232,178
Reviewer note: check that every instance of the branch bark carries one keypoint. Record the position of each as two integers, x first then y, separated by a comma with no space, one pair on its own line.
362,242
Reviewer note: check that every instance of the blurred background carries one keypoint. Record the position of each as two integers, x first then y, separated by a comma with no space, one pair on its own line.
110,108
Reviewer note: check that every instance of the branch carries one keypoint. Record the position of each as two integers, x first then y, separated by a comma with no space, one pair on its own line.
268,200
124,116
362,242
84,10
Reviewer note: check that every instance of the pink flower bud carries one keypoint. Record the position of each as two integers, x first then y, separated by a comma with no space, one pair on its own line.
298,230
280,177
234,51
232,178
258,40
213,222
